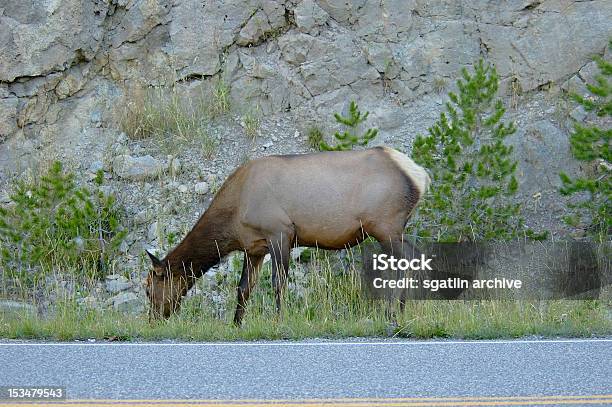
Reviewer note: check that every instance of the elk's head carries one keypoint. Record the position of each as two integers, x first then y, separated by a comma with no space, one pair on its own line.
165,289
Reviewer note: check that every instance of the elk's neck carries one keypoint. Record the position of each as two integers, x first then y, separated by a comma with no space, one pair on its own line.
210,239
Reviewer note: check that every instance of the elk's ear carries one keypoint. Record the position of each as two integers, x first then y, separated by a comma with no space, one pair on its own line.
157,263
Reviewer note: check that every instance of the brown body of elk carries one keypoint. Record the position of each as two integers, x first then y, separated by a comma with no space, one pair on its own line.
330,200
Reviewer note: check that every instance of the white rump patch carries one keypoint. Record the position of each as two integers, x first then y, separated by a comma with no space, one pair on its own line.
415,172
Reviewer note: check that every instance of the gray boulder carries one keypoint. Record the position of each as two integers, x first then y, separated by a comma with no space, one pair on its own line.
254,30
136,168
309,16
16,308
8,116
115,283
201,188
40,38
128,302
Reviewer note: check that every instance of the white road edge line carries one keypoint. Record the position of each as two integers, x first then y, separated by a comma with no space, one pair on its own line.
331,343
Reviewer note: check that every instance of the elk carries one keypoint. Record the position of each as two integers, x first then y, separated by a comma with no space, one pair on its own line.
330,200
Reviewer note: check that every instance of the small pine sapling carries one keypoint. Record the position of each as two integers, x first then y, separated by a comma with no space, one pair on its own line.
472,168
592,144
350,137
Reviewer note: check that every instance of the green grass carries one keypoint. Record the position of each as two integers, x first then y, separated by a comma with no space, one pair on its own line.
109,325
314,138
505,319
170,119
252,123
220,103
424,320
332,305
439,84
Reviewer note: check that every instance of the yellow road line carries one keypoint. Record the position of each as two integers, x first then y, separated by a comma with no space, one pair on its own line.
340,399
577,402
344,402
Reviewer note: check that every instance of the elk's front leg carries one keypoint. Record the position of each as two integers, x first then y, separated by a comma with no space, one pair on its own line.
250,271
280,250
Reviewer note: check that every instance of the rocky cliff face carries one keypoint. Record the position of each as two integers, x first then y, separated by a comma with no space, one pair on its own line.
66,66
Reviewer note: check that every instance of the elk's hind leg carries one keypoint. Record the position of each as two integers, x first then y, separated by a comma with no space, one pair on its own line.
401,248
250,270
395,244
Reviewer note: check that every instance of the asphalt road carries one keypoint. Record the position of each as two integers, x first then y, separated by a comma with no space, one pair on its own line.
360,370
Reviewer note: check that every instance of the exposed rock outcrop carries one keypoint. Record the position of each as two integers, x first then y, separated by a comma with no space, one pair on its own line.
67,67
